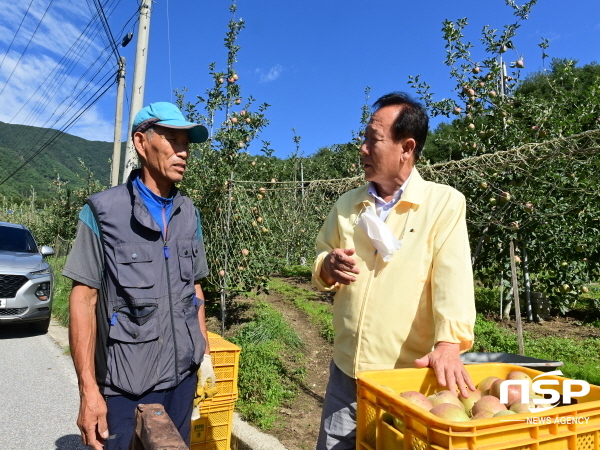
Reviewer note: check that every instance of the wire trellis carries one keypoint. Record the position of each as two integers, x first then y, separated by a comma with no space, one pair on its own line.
253,228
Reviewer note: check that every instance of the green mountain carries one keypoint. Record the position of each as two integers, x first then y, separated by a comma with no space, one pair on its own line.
59,159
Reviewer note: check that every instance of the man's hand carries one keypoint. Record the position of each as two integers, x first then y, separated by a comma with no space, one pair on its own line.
206,385
92,420
206,379
449,369
338,267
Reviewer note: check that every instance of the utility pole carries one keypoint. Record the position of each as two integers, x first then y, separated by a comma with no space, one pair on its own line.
116,159
139,82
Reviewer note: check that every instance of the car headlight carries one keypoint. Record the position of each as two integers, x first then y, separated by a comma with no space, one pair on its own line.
43,291
41,272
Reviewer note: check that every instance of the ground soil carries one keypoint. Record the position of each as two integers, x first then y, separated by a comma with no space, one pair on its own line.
573,325
298,424
299,421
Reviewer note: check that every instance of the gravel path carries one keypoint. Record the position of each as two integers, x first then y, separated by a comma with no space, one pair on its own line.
39,398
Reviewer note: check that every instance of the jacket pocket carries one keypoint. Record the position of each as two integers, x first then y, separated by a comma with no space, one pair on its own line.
133,348
187,249
134,265
192,354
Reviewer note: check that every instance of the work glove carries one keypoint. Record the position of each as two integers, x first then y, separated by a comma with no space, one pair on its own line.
206,385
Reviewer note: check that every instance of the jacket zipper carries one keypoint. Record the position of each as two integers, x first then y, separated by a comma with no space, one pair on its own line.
366,298
166,251
362,312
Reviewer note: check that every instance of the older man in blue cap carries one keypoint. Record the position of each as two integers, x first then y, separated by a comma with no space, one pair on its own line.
137,327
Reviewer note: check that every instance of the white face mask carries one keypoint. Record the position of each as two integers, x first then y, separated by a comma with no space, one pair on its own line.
379,233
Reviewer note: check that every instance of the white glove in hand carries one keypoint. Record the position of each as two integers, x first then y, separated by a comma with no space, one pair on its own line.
206,385
206,374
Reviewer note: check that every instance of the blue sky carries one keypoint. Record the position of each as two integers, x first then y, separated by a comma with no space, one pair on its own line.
310,60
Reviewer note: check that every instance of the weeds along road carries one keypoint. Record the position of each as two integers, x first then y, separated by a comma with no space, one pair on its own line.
39,398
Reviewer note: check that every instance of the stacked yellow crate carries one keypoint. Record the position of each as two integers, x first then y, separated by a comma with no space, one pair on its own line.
212,431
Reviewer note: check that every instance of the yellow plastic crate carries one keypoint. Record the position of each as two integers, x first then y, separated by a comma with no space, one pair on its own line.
571,427
212,431
225,359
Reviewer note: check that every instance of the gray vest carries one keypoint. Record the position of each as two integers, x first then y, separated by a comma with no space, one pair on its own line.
148,335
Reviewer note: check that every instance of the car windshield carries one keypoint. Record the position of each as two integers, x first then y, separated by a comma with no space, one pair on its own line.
16,240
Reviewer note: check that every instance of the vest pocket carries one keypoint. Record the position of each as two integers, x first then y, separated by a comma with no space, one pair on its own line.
133,348
187,249
193,354
134,265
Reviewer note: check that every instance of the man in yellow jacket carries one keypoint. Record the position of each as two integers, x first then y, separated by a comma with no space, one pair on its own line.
396,252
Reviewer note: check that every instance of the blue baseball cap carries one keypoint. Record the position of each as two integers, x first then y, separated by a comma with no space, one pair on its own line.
167,115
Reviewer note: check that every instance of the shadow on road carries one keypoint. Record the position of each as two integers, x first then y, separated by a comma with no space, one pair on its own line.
70,442
17,331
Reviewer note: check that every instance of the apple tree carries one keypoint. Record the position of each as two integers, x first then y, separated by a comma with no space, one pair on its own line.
523,150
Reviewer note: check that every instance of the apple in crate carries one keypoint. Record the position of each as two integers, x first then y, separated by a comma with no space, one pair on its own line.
485,384
418,399
450,411
488,403
445,397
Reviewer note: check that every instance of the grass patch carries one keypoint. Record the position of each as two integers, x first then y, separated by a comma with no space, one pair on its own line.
320,314
271,365
62,289
297,271
580,357
493,338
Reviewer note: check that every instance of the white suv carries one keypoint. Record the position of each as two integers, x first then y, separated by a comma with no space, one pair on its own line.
26,279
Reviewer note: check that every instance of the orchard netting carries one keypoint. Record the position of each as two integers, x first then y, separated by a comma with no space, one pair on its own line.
545,196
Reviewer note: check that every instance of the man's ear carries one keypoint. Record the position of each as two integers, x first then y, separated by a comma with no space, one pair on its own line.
408,148
140,141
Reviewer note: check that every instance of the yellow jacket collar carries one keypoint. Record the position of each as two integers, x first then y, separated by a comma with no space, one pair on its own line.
413,194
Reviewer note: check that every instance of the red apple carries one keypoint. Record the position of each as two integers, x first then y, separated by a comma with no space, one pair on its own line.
518,375
488,403
485,384
417,399
445,397
449,411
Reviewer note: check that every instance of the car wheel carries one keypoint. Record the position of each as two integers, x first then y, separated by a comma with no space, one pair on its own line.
40,327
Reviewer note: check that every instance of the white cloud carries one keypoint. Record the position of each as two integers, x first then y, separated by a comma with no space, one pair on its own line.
53,30
47,85
93,127
273,73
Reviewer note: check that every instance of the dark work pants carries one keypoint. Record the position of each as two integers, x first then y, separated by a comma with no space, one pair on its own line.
177,402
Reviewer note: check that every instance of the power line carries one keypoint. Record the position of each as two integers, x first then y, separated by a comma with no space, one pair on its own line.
58,116
79,100
49,91
26,47
57,80
16,34
106,26
81,111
